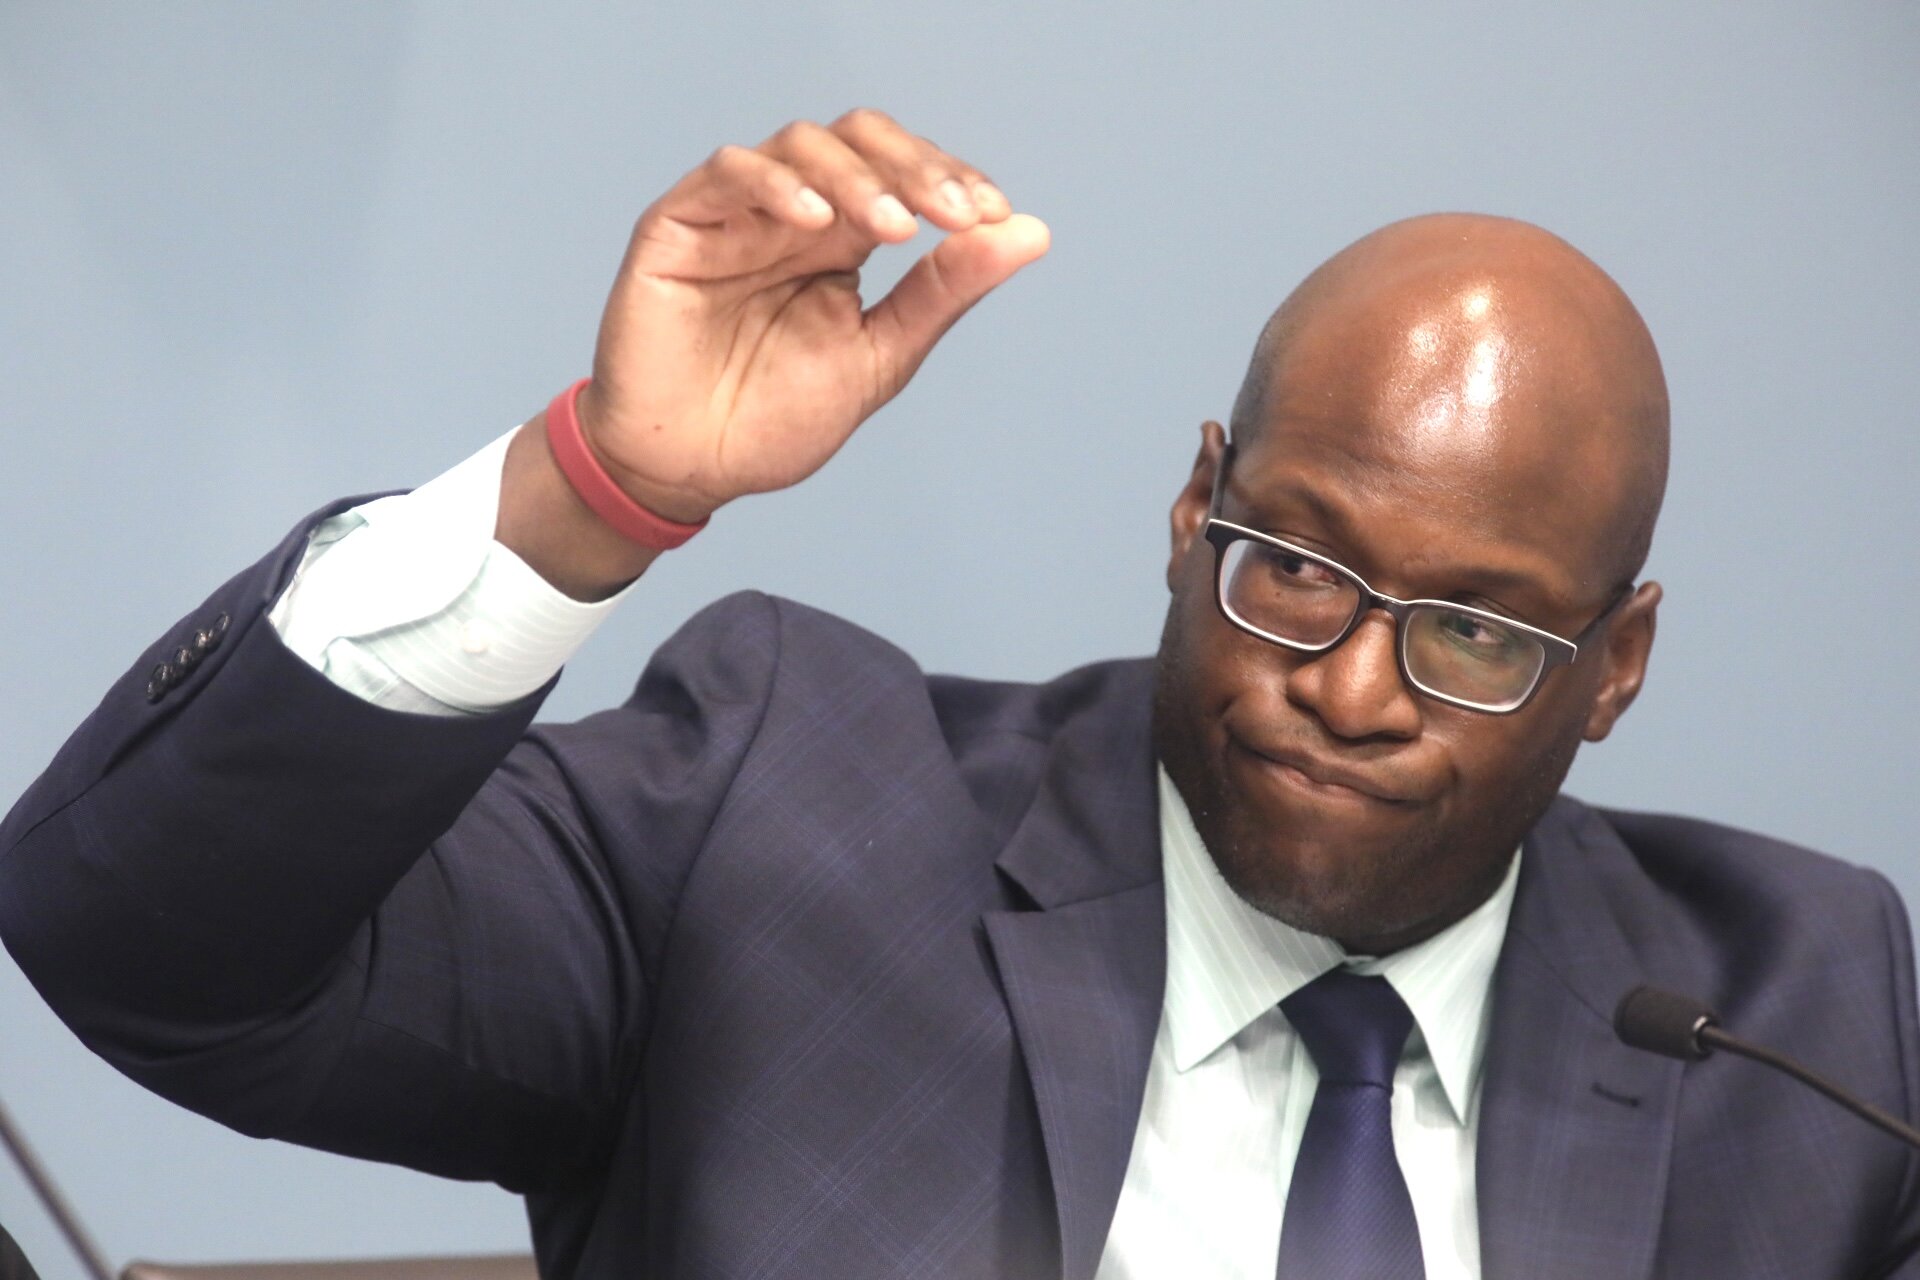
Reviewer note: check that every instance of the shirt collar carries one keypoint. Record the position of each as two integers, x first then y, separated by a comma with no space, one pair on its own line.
1227,963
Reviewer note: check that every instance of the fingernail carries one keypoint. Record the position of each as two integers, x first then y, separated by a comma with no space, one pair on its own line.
888,209
955,196
811,201
987,193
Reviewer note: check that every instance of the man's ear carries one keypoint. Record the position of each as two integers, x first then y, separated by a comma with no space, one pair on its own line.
1629,640
1190,504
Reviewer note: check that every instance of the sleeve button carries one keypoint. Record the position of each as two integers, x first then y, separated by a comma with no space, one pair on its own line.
159,682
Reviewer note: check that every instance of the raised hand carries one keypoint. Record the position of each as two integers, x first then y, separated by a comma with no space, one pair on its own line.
735,354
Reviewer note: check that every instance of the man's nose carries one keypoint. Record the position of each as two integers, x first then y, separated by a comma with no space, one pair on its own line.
1355,688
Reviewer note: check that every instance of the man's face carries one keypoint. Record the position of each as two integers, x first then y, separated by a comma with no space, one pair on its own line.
1330,794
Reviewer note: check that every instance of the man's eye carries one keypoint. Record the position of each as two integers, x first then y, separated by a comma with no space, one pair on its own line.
1298,571
1477,634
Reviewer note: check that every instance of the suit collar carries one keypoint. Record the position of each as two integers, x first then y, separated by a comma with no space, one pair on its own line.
1092,829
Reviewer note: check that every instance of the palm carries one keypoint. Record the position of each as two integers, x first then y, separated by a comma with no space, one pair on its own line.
756,332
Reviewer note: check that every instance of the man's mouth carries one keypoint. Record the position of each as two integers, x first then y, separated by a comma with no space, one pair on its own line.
1316,776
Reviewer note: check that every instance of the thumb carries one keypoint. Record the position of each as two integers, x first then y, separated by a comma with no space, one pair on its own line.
939,288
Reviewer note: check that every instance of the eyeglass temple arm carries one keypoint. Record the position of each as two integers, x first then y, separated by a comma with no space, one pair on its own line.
1620,597
1220,479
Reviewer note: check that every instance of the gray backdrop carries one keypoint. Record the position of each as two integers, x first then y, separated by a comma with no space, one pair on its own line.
254,256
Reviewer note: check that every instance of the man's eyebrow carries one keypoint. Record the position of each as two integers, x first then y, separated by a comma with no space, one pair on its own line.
1261,509
1470,577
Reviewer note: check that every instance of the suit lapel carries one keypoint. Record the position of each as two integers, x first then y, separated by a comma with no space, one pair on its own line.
1575,1128
1084,971
1083,984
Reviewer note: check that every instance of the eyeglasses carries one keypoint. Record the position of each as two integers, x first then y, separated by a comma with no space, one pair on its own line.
1303,601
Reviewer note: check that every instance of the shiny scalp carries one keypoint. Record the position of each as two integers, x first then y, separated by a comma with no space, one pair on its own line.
1490,308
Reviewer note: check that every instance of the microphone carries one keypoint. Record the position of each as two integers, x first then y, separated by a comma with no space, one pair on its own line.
1677,1026
1663,1023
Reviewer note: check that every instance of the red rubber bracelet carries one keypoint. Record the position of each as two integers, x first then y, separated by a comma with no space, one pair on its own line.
597,489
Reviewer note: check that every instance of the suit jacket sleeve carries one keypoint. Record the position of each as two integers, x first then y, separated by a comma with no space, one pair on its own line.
13,1263
397,936
1901,1260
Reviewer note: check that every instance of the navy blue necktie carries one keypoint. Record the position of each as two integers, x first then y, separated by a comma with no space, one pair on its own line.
1348,1214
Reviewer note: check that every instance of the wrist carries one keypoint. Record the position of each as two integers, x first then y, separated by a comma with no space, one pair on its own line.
545,522
676,506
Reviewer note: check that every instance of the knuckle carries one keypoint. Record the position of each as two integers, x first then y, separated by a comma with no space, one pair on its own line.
859,185
866,118
794,131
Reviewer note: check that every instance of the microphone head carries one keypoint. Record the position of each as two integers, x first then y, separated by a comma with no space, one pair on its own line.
1662,1022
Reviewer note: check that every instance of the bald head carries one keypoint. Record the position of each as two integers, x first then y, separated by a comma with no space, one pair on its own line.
1496,360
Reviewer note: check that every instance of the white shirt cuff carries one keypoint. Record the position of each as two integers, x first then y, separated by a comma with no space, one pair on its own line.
409,602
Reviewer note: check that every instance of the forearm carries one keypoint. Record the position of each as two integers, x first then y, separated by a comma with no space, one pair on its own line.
207,888
208,856
396,935
220,911
234,792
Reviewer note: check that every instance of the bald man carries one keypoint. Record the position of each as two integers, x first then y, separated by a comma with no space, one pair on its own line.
1278,954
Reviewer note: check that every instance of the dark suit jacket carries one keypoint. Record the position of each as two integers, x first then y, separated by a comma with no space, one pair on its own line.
13,1263
804,962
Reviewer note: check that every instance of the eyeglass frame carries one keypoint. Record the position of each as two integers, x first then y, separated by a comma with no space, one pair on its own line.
1557,651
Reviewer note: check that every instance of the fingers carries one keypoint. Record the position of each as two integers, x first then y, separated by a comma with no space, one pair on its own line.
859,190
740,178
950,193
864,170
943,285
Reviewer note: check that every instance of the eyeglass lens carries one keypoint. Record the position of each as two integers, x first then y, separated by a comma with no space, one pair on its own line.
1452,652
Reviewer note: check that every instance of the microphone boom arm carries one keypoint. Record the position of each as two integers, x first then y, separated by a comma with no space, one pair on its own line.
1711,1036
